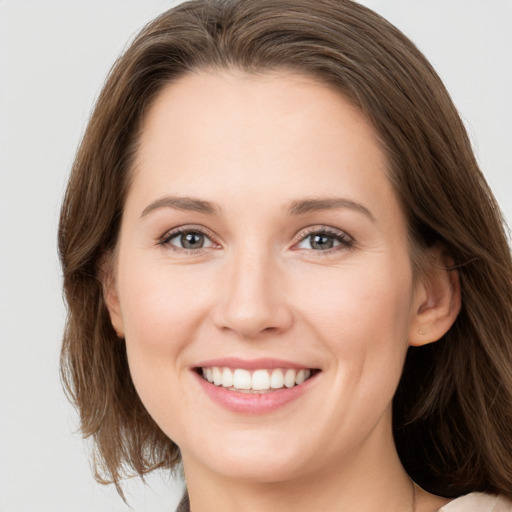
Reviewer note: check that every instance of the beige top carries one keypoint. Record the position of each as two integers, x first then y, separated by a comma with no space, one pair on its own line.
478,502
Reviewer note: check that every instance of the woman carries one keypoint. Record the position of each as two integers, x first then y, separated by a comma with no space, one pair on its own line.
285,270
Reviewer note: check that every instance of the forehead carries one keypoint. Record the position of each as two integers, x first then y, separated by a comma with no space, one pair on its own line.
237,122
235,134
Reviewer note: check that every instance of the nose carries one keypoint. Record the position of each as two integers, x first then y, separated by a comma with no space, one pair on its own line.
252,301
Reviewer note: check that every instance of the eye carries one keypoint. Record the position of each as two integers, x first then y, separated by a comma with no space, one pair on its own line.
324,239
187,240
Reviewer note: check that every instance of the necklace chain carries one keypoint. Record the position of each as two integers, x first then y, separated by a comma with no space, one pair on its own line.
413,506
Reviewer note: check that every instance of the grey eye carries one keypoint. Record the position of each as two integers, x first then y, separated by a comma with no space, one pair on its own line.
321,241
192,240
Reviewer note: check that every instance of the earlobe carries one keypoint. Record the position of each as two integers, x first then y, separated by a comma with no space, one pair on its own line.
438,302
110,295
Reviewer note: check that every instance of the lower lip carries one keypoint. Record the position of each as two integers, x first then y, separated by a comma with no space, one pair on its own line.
254,403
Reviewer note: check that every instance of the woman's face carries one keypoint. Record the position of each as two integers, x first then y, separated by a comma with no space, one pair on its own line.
262,243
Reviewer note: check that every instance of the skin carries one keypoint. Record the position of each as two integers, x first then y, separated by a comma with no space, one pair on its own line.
254,144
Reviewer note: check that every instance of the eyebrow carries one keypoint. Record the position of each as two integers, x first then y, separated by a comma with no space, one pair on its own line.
299,207
314,205
188,204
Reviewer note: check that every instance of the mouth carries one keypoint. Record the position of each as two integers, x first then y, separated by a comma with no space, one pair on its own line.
257,381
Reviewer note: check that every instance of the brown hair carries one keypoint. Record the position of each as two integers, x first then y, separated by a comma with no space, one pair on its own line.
453,407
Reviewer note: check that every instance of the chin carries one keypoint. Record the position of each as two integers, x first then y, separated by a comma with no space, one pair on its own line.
255,457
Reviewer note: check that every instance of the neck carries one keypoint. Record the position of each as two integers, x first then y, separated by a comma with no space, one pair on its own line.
370,479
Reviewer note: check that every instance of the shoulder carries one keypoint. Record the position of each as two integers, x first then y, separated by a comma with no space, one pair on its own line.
478,502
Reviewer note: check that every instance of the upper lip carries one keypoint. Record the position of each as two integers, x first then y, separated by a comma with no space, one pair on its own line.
251,364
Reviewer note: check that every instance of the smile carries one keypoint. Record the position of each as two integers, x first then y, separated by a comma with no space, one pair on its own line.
256,381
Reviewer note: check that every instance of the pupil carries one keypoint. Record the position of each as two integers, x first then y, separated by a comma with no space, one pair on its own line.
192,240
322,242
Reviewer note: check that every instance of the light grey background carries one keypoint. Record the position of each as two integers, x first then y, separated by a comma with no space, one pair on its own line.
54,56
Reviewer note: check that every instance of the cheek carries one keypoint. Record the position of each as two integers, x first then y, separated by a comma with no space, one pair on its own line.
359,306
363,320
161,312
160,305
163,309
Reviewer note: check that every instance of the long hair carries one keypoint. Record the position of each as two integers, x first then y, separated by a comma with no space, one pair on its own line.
453,407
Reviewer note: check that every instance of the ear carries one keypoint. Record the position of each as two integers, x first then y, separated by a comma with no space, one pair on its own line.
437,300
110,295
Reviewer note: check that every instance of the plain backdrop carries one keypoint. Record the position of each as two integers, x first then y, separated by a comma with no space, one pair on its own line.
54,56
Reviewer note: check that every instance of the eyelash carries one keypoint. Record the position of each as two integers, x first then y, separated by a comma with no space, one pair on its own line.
346,242
166,239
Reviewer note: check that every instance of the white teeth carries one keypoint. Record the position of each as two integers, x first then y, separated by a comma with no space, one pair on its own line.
217,376
259,380
302,375
242,379
277,379
227,378
289,378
